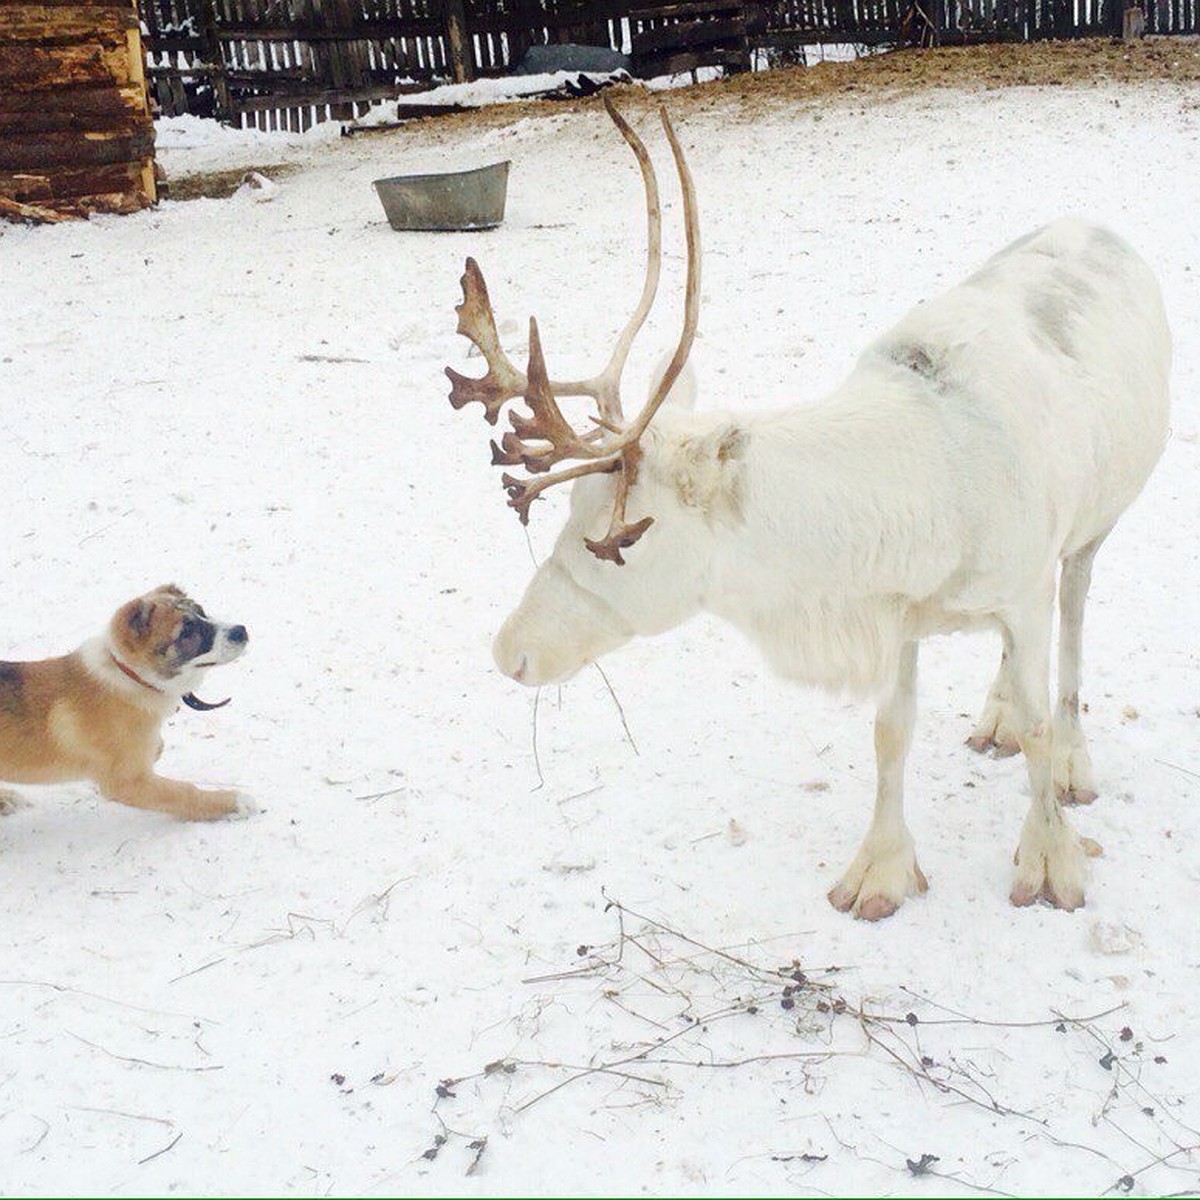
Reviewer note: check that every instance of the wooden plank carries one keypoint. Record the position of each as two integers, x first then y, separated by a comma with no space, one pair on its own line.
694,8
458,41
267,80
137,59
43,186
79,105
26,151
687,35
316,94
364,30
198,71
45,24
175,44
14,210
119,122
25,187
84,4
25,67
130,5
794,39
677,64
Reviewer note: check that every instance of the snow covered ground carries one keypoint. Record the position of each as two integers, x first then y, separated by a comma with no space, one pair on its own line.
404,976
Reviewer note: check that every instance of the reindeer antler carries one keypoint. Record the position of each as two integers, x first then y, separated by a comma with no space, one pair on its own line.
545,438
503,381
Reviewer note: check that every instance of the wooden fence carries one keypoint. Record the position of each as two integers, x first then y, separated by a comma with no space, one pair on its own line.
288,63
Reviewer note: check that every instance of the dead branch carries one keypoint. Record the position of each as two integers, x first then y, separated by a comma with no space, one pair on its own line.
960,1018
116,1112
70,991
143,1062
620,708
655,962
159,1153
41,1137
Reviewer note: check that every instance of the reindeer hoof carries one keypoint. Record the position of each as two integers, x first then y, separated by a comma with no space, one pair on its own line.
864,891
1077,796
1054,875
1067,898
875,908
984,743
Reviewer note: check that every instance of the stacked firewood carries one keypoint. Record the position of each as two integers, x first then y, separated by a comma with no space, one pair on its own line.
76,135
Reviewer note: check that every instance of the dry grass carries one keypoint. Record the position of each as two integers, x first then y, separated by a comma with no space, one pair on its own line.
1083,63
1045,64
217,185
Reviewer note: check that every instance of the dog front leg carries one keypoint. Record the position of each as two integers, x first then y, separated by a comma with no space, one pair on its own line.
171,796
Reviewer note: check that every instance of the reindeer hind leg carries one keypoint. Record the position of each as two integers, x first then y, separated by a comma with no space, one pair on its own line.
998,730
1049,858
1072,764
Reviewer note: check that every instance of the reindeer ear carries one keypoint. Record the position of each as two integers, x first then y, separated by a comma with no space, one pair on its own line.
706,472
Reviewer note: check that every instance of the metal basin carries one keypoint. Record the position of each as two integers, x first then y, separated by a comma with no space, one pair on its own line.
447,200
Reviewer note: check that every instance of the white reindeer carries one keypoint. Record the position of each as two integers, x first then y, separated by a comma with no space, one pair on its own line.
995,432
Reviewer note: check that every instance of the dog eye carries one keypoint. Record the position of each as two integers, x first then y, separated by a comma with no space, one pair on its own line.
188,629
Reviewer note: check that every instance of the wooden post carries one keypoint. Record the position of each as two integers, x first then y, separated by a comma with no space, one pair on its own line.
526,16
939,18
462,60
222,103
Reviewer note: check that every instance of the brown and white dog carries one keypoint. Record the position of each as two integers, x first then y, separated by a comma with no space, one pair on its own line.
96,713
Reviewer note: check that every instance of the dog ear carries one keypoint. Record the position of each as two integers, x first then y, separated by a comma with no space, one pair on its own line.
170,589
138,615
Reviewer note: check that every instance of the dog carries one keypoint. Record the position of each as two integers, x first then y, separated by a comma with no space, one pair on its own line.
96,713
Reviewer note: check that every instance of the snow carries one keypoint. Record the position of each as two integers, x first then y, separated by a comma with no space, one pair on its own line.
247,398
506,87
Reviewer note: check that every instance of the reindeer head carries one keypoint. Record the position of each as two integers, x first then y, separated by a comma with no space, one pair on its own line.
578,606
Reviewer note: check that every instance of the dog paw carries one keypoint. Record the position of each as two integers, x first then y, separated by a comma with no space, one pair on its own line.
211,805
245,807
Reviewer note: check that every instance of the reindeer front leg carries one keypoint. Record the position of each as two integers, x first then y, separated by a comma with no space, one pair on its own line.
171,796
884,871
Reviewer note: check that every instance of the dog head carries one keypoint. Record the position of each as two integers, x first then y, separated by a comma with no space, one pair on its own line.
166,640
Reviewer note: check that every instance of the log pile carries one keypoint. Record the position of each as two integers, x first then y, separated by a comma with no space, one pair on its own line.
76,135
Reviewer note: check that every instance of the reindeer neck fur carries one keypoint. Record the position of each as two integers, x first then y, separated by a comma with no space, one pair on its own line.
819,547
